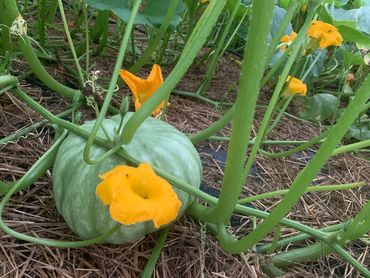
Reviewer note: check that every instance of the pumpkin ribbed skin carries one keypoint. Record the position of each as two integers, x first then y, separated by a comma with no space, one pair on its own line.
74,181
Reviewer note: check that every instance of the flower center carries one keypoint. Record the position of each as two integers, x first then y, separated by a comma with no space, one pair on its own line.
141,190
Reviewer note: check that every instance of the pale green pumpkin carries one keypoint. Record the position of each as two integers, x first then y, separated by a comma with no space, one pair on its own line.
74,181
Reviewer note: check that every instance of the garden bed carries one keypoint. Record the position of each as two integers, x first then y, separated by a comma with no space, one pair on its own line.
189,250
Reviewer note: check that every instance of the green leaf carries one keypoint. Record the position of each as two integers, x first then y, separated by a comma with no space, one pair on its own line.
319,107
343,17
285,3
358,19
152,14
351,34
363,19
360,130
351,58
279,14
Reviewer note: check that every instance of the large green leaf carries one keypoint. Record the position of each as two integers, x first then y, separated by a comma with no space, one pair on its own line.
319,107
152,13
342,16
363,19
358,19
353,35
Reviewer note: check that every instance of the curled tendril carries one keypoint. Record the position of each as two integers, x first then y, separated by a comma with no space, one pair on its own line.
19,27
95,86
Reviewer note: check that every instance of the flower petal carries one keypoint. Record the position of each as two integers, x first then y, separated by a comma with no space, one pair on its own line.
143,89
326,33
137,195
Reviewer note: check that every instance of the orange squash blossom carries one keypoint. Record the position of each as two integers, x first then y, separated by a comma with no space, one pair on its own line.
143,89
137,194
324,34
295,86
287,40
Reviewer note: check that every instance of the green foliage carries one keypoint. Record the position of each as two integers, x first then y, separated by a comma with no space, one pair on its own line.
319,107
277,18
152,15
357,19
285,3
360,130
350,34
351,59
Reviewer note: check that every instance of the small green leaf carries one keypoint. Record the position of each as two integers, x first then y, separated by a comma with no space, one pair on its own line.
360,130
367,59
319,107
351,59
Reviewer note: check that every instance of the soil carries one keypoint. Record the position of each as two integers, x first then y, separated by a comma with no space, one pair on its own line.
189,251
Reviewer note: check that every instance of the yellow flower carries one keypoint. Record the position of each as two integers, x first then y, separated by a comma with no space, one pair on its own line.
295,86
143,89
324,34
287,40
137,194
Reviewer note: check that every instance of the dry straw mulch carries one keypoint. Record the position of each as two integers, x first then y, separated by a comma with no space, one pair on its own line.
189,250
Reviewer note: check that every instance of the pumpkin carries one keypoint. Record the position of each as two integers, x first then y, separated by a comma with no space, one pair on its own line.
74,181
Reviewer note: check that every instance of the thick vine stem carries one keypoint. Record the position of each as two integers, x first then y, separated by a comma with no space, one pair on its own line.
354,229
253,67
235,180
300,183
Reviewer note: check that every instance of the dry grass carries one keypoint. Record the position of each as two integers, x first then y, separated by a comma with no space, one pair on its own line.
189,251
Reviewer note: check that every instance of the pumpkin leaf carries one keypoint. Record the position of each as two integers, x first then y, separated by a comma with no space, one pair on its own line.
351,34
360,130
350,58
358,19
152,14
363,19
278,16
319,107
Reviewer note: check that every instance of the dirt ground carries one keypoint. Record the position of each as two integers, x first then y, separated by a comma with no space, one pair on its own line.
189,250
